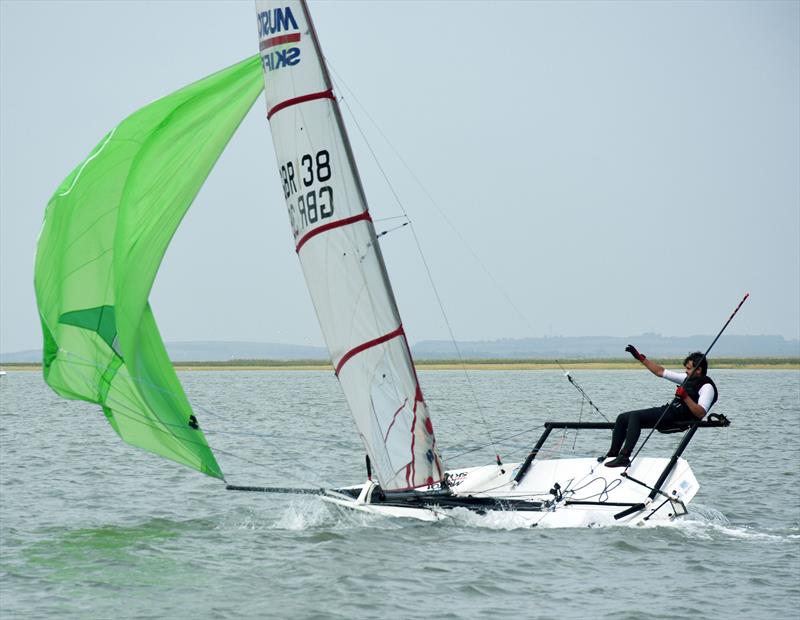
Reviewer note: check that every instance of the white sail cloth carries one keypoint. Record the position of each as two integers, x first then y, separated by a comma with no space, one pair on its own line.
339,253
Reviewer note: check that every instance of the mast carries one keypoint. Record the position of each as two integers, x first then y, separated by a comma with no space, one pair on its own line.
338,249
350,157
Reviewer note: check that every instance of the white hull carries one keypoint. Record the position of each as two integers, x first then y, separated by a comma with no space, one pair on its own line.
605,490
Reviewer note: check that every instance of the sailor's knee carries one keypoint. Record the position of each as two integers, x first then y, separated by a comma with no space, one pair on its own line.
622,417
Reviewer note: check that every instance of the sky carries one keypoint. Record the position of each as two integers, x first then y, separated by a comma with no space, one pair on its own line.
569,168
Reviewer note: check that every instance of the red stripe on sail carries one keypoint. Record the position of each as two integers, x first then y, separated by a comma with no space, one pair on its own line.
413,440
285,38
368,345
394,419
326,227
325,94
418,398
413,487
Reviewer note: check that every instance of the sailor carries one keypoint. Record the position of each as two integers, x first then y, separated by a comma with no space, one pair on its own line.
693,398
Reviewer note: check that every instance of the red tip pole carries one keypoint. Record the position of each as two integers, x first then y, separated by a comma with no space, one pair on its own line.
705,356
744,299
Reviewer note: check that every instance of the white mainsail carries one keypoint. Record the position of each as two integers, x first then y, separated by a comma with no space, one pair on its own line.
339,253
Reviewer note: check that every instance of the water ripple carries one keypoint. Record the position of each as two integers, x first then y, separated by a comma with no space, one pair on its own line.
91,528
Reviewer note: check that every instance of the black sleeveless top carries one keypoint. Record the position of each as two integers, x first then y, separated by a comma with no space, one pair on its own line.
693,385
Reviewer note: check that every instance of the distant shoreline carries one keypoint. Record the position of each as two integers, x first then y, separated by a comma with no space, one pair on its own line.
743,363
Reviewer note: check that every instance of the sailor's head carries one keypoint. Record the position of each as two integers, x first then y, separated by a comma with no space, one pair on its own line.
695,364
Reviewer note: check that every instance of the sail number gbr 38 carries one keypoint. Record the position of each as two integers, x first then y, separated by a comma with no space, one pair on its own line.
308,198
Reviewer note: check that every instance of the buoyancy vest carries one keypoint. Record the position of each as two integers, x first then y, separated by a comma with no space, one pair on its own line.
693,385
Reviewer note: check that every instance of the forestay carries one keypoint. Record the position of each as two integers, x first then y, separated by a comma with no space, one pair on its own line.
338,250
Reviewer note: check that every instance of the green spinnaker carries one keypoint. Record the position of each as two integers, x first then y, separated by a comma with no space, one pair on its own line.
105,232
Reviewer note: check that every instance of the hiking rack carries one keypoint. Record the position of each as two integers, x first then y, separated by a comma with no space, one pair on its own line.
714,421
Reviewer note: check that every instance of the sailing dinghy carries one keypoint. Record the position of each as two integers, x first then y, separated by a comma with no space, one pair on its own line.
109,223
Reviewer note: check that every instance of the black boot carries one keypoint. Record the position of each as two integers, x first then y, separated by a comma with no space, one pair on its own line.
621,461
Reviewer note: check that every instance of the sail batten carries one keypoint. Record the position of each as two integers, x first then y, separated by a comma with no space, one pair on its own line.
280,40
325,94
326,227
368,345
339,252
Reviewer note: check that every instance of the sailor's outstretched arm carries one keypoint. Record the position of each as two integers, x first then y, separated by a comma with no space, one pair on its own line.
656,369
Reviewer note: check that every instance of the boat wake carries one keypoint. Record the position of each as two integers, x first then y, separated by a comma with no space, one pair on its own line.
303,514
308,514
708,524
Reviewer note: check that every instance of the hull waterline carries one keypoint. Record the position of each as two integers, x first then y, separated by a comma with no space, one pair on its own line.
560,492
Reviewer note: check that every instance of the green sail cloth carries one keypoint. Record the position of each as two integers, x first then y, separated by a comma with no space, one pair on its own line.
105,232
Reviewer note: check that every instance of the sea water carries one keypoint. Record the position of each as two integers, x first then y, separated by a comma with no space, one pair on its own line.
94,528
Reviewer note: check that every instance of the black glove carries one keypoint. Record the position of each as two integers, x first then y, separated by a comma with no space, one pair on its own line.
636,355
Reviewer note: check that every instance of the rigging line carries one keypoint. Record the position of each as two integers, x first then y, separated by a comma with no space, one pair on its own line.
458,352
345,151
501,440
88,363
432,201
580,389
156,424
289,475
160,426
606,483
511,492
153,423
124,410
274,436
543,452
556,449
375,220
577,430
386,232
514,451
430,280
514,493
603,495
572,481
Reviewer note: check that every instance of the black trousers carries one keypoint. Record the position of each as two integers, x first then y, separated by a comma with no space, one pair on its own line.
629,425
